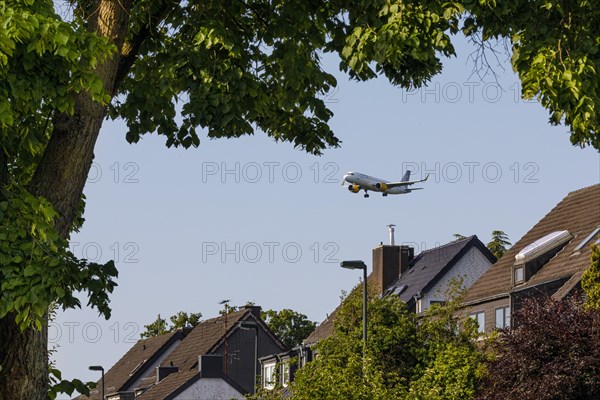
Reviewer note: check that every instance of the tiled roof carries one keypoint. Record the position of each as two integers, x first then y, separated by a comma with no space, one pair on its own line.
168,385
202,339
323,330
424,270
430,265
134,360
579,213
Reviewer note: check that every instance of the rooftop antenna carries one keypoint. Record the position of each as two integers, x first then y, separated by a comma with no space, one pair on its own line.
391,229
226,303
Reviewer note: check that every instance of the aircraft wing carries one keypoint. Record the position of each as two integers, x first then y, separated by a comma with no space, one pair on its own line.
405,183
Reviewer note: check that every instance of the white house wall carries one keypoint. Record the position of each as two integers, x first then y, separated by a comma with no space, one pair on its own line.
470,267
209,389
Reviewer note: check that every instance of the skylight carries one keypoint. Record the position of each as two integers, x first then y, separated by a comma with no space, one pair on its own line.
542,245
587,239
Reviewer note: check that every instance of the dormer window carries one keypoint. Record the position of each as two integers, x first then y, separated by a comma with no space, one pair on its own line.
519,275
535,255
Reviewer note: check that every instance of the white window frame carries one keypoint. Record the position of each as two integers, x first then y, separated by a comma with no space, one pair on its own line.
269,375
505,318
480,324
285,374
522,269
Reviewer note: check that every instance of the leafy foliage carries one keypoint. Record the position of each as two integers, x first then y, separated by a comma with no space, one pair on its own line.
555,53
590,281
180,320
59,385
44,64
289,325
242,66
433,358
552,353
36,267
499,244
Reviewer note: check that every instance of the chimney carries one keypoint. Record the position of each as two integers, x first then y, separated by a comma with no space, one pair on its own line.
390,262
386,266
391,229
253,309
163,372
210,365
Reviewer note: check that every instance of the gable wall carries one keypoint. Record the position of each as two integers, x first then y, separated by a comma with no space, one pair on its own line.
470,267
209,388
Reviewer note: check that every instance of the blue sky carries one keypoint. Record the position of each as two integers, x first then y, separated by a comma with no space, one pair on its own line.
252,220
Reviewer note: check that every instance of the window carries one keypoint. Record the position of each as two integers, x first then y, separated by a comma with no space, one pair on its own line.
269,376
519,275
587,239
503,317
479,317
418,306
285,374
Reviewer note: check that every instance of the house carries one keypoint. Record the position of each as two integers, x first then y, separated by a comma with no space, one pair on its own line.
217,359
419,280
278,369
549,260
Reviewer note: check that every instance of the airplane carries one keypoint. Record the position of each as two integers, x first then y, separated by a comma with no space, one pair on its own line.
364,182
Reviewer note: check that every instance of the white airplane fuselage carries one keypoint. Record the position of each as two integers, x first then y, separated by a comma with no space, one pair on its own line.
362,181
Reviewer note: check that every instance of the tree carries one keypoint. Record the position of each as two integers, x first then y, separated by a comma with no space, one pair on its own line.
290,326
231,68
552,353
499,244
590,281
556,59
180,320
434,358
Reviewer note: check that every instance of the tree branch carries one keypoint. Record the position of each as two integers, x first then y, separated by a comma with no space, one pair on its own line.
131,49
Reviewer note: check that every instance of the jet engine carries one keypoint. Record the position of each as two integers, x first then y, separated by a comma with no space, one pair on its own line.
381,186
354,188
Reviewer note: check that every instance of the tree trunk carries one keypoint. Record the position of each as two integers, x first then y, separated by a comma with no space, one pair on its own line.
60,177
24,360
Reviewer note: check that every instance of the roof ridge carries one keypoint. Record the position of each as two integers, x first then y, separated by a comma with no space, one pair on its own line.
582,189
466,238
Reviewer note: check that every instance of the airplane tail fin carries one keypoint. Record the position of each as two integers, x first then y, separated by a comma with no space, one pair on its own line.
406,176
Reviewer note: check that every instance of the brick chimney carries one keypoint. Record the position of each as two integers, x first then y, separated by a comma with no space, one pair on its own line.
389,262
386,266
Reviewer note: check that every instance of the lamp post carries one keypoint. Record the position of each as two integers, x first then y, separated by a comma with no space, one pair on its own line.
99,368
252,325
358,264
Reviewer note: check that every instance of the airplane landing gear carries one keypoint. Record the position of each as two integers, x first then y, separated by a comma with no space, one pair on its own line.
384,194
366,194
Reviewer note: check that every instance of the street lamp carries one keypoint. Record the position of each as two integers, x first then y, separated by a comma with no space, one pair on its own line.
99,368
358,264
252,325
